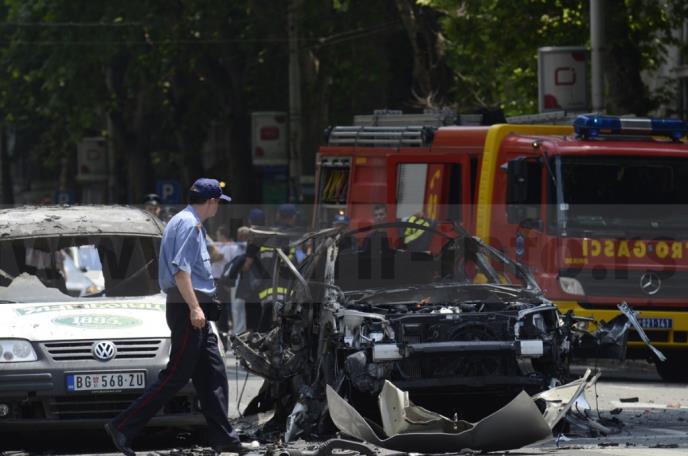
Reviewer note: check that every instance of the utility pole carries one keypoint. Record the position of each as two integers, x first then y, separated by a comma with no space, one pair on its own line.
111,180
683,74
293,18
597,45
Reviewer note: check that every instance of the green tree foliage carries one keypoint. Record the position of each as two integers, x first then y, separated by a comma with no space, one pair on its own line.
160,77
359,52
153,75
639,34
491,47
157,77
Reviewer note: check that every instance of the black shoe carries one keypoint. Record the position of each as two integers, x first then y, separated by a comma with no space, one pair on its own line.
236,447
119,439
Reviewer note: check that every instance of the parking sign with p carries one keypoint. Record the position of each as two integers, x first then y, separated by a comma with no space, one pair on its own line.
170,191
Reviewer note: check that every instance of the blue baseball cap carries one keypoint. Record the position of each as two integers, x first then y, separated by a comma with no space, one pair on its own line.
256,216
209,188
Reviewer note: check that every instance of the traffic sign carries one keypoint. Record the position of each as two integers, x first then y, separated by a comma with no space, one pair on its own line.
64,197
170,191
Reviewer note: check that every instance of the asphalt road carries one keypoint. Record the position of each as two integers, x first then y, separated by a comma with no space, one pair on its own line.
654,417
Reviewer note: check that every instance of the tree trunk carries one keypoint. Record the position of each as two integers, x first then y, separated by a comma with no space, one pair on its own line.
627,94
5,169
130,138
239,166
421,74
316,85
229,76
138,153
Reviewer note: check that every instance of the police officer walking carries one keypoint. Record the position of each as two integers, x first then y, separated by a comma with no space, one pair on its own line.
185,276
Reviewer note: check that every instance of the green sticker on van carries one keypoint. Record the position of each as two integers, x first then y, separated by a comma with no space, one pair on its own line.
99,321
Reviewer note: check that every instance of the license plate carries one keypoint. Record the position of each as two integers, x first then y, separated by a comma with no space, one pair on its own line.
107,381
655,323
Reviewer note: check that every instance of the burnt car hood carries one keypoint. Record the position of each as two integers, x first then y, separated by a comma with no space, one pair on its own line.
49,221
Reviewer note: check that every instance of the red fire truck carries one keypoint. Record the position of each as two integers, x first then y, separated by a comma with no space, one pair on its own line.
598,210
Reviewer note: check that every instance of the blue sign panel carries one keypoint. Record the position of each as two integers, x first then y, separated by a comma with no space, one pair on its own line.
170,191
64,197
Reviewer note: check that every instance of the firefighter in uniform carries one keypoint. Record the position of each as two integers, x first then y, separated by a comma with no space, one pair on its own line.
271,292
185,276
417,239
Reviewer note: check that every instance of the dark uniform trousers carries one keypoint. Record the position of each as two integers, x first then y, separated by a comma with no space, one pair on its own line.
194,355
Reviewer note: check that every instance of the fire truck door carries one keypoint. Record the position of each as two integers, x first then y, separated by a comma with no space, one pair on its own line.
519,232
436,186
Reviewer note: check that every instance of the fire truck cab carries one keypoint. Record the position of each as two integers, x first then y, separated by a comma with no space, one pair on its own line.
598,210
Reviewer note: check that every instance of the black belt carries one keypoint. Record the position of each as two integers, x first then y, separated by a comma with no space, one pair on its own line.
175,293
211,306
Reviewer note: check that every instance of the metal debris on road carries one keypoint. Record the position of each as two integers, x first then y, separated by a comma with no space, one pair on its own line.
515,425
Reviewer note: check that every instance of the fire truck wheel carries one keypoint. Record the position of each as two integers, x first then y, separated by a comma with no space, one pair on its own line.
675,368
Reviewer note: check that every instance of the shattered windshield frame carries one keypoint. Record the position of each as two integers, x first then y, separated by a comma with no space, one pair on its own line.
128,267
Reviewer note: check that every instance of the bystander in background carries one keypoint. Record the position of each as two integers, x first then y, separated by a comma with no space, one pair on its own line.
224,248
242,276
221,250
378,239
151,204
238,305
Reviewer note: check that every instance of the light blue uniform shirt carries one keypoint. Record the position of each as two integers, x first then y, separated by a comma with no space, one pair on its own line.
183,248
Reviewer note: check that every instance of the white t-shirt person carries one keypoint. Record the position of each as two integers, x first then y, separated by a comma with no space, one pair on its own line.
226,250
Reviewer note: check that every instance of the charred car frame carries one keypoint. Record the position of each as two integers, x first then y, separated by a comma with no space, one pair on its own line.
459,320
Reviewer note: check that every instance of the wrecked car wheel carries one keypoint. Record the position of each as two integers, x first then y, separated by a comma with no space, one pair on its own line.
675,368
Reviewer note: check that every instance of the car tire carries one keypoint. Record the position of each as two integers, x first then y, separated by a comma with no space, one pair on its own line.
675,368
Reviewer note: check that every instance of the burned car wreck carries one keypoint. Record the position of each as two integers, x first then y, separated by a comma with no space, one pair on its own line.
449,325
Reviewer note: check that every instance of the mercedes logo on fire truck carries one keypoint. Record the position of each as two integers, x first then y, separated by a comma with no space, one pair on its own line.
104,350
650,283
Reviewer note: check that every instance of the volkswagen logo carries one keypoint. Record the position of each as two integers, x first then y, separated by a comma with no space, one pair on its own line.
650,283
104,350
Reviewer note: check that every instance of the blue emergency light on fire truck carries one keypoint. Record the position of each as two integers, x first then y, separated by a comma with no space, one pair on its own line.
591,126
